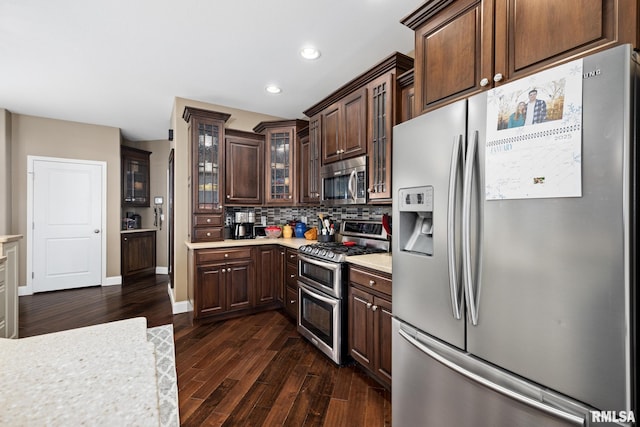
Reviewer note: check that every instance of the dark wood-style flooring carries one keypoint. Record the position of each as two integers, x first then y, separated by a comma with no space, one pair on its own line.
251,371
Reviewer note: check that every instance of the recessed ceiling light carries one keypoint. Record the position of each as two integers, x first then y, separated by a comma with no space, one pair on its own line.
310,53
273,89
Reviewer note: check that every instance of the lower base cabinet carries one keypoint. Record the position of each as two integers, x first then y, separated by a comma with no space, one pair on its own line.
370,322
138,254
291,283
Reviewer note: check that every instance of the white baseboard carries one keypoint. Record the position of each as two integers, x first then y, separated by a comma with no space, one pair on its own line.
112,281
162,270
180,306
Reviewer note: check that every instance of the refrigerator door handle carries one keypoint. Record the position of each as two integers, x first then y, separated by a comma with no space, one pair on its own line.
526,400
471,296
454,282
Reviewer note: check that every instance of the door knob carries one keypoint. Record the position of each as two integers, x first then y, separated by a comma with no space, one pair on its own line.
96,231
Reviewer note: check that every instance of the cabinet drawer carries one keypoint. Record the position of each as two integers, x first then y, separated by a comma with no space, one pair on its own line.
213,220
208,234
370,280
292,257
291,302
291,278
204,256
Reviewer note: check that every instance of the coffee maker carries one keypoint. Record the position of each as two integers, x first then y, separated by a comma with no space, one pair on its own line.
243,226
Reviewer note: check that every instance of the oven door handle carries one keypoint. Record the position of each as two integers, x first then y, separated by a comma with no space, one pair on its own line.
321,297
328,265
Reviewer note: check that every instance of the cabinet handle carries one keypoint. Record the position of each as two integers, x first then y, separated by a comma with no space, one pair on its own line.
372,282
226,255
208,220
374,308
292,256
292,301
484,82
369,305
497,77
292,276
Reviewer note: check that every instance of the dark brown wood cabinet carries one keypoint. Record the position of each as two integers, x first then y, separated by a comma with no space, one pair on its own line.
223,283
137,254
407,96
358,119
134,166
370,321
291,283
463,47
344,128
244,168
269,275
206,138
281,188
309,161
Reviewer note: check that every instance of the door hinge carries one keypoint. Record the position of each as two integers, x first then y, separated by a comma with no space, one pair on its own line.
33,275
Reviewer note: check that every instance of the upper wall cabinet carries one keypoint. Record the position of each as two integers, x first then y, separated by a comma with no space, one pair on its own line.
206,137
281,187
244,167
309,161
465,46
358,119
134,165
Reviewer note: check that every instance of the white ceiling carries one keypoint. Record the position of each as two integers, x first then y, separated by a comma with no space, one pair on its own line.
120,63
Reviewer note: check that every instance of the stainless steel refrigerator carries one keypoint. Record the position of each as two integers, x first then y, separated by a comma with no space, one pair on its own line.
516,311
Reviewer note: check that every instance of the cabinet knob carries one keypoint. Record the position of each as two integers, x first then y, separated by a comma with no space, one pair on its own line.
125,239
292,301
292,256
372,282
208,220
290,196
374,308
292,275
229,270
497,77
208,234
226,255
228,196
484,82
222,271
369,305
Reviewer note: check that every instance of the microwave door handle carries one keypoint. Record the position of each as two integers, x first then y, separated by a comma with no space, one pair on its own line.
352,181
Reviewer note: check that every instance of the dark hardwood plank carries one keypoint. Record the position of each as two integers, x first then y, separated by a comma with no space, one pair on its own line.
250,371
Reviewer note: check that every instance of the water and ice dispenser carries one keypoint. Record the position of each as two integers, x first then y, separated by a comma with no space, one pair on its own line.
416,219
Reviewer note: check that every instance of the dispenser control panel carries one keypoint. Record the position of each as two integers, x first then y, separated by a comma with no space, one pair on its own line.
416,199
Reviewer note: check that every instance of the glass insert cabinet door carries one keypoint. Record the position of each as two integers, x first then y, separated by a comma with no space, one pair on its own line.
280,144
135,177
207,180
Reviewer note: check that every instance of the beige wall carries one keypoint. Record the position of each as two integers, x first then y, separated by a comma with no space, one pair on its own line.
159,162
241,120
5,173
38,136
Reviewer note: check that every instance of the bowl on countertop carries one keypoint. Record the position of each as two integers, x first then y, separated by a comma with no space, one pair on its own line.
273,231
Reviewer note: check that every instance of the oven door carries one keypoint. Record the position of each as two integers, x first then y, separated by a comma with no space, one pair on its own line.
323,275
320,321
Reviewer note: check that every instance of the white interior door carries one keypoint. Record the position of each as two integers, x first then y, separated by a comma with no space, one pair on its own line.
67,224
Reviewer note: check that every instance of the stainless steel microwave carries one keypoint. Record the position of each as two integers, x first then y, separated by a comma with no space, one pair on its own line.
344,182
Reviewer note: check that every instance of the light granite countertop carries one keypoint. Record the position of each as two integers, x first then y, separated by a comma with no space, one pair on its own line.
380,262
98,375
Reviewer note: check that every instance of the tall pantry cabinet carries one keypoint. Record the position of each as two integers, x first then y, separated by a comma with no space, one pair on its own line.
206,138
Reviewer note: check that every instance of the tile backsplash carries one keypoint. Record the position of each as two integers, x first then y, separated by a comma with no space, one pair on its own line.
281,215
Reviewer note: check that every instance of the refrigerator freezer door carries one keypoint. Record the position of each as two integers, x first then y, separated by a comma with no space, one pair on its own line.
422,160
554,282
465,392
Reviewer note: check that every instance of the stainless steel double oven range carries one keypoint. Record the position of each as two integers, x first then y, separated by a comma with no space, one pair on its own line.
322,284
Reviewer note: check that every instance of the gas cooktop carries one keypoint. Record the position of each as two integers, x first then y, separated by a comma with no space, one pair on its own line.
355,238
